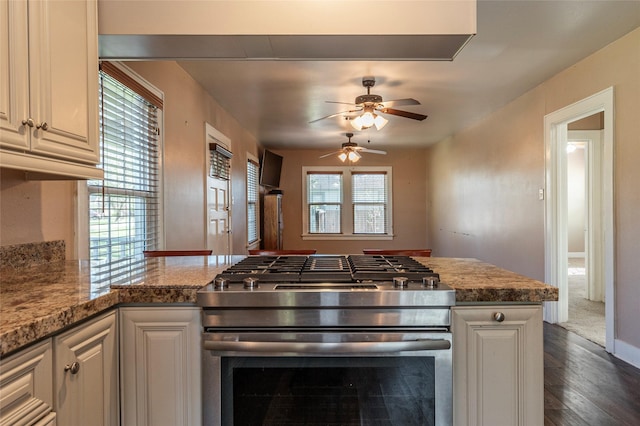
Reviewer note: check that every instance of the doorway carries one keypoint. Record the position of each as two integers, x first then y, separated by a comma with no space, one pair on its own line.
217,191
599,207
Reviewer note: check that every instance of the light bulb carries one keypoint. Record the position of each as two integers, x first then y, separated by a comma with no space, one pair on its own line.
356,123
367,119
380,122
342,156
353,156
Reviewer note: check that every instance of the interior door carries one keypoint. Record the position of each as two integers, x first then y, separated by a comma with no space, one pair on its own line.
218,214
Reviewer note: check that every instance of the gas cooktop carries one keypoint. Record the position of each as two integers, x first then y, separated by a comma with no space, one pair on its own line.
327,268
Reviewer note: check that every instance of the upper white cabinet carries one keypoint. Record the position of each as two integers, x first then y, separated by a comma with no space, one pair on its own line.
49,86
26,396
498,365
86,373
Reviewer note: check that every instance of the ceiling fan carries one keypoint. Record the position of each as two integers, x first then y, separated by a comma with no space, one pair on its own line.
367,109
351,151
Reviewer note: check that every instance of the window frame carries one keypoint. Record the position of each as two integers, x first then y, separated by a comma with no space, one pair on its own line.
347,203
252,159
81,249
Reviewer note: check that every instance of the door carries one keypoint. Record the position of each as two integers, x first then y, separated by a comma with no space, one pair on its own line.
218,213
218,192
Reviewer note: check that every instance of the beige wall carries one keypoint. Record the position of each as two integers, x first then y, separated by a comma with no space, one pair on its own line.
409,198
485,197
186,108
35,211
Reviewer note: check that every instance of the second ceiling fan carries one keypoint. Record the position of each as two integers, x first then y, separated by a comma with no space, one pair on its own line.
367,109
351,151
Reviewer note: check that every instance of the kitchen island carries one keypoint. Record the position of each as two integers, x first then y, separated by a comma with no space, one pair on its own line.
496,327
42,300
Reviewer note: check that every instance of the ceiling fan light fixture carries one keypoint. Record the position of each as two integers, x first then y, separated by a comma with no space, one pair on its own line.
367,119
342,156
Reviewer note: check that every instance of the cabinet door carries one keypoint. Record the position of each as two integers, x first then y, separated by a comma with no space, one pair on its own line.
498,365
63,70
160,366
14,74
26,386
86,373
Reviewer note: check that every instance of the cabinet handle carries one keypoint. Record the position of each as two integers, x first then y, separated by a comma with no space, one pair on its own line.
74,367
498,316
43,126
28,122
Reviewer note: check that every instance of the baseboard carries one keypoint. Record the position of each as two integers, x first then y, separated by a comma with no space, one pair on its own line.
627,353
576,254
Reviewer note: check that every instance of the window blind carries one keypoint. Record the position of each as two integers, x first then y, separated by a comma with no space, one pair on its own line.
324,203
124,207
369,199
252,201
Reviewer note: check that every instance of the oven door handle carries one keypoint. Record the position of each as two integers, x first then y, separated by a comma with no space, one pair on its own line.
328,347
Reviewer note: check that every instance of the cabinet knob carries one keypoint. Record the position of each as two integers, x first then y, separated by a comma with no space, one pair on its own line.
73,368
43,126
28,122
498,316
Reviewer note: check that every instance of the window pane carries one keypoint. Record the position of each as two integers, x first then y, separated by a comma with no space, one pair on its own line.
369,219
324,188
369,188
324,218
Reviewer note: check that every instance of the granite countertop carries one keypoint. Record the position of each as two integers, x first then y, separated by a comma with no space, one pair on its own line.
38,301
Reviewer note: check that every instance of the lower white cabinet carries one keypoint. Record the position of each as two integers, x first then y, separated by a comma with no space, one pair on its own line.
86,373
160,366
498,370
26,387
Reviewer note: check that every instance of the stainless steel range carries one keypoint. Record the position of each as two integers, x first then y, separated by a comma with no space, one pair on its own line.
327,339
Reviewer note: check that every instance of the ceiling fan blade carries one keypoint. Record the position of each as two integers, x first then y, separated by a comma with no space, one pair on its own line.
405,114
334,115
373,151
330,154
400,102
342,103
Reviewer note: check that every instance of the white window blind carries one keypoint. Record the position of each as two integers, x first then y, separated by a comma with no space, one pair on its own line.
124,207
252,201
324,203
369,193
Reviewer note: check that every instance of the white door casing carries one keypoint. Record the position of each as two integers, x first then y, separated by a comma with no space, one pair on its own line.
556,136
217,200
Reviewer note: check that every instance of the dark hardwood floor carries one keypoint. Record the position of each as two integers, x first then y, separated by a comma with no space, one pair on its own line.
584,385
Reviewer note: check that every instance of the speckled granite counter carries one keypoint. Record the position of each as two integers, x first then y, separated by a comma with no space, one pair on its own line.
41,300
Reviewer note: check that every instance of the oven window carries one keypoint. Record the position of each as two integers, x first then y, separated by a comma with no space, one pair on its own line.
329,391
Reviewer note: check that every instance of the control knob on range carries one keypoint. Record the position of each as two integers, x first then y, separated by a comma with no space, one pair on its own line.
430,282
221,283
250,283
400,282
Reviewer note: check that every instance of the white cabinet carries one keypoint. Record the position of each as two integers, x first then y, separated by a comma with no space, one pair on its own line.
160,366
26,388
86,373
498,371
49,86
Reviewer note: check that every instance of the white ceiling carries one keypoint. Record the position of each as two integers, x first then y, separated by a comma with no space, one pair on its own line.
519,45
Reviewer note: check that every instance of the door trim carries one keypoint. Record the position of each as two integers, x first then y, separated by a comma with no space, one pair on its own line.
556,262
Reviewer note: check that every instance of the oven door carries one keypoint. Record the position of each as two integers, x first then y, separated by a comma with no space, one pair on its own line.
342,378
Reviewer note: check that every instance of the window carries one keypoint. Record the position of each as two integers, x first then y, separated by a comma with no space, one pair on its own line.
124,208
347,203
253,208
